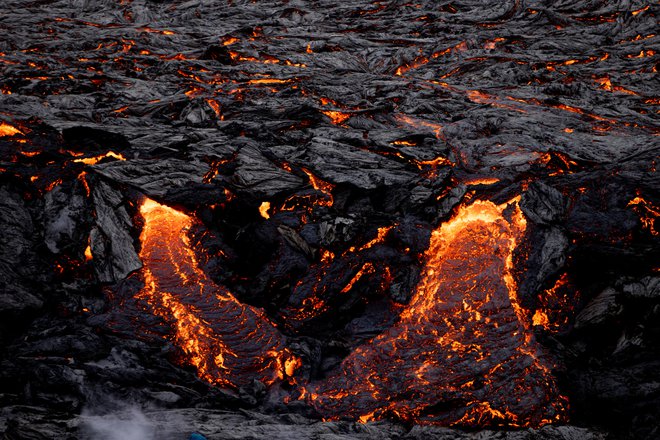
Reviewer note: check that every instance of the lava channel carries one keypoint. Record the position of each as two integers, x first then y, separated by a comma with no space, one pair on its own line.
231,344
462,353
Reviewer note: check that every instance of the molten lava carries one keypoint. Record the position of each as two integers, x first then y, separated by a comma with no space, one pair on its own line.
229,343
8,130
556,305
96,159
462,352
263,210
648,213
336,117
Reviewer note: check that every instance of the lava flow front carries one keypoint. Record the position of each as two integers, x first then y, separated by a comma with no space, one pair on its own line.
462,353
229,343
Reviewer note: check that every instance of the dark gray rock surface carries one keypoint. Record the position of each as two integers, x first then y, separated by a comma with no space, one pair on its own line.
350,119
134,424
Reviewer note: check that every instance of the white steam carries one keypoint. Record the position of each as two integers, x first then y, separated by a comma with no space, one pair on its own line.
127,424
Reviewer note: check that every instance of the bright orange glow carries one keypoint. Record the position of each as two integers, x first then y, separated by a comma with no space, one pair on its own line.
433,162
606,84
380,237
557,305
263,210
121,109
316,304
648,213
419,123
230,344
322,186
422,60
336,117
194,91
480,97
8,130
328,101
83,180
642,54
366,268
482,181
580,111
417,62
96,159
53,184
213,171
216,108
540,318
228,41
637,11
88,253
464,322
404,143
269,81
156,31
30,153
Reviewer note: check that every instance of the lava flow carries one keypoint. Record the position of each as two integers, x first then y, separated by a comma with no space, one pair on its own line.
229,343
462,352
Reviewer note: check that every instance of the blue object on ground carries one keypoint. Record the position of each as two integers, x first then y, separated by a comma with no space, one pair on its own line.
195,436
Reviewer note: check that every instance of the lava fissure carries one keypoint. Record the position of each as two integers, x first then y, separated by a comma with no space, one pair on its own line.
462,339
346,253
462,352
229,343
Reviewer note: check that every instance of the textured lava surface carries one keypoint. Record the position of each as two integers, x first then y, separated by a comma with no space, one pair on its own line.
431,212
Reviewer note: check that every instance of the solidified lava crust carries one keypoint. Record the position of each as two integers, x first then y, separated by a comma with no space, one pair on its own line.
421,213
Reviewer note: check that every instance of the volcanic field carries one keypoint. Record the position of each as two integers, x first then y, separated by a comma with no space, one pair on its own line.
329,220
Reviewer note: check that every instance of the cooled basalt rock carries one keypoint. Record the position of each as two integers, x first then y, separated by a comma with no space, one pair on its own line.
316,147
111,244
154,177
341,163
16,255
259,176
602,307
33,424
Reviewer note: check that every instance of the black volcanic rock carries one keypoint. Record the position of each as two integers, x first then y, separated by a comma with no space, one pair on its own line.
111,243
341,163
32,423
317,146
154,177
602,308
16,255
543,204
89,138
259,176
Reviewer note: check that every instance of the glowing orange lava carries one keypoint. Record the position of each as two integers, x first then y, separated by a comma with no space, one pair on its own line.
336,117
463,352
8,130
88,253
322,186
420,123
556,305
231,344
648,213
263,210
96,159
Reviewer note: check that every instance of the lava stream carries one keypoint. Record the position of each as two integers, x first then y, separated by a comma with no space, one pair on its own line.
462,353
229,343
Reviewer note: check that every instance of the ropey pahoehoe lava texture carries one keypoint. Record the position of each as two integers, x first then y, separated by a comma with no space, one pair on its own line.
295,218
